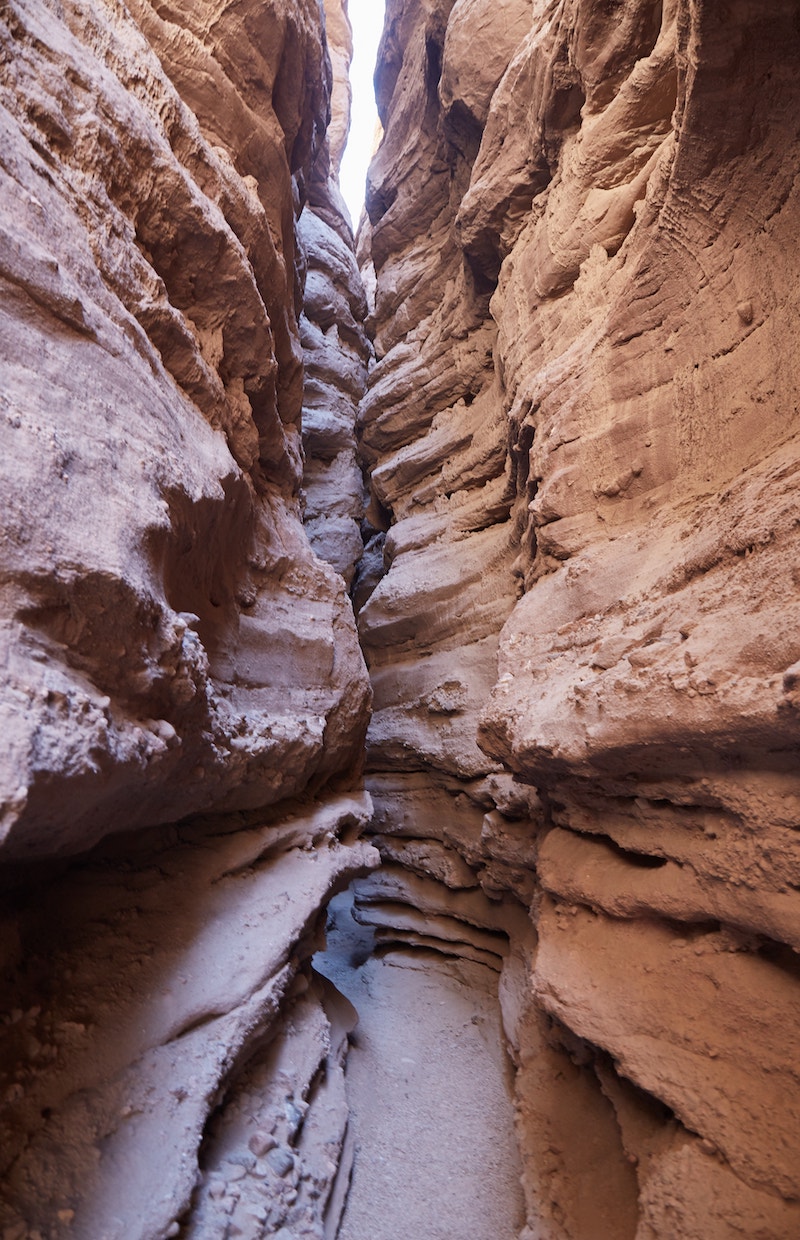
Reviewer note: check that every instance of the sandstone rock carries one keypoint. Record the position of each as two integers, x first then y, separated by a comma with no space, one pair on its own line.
339,39
165,965
172,643
578,605
336,353
581,308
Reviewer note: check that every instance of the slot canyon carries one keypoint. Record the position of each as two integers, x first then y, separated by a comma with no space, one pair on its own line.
400,637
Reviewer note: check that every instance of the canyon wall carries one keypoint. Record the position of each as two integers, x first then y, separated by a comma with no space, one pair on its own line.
577,599
580,602
173,650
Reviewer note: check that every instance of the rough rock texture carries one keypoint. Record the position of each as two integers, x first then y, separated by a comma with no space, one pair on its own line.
171,645
147,992
335,347
582,435
578,601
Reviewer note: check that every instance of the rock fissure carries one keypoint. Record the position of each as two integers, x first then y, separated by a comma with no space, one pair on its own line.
539,419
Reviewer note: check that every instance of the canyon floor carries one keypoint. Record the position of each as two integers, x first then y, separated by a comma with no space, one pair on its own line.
429,1089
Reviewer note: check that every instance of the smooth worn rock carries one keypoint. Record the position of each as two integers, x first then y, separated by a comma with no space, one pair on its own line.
165,967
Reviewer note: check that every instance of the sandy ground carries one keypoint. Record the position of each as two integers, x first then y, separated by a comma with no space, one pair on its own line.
429,1090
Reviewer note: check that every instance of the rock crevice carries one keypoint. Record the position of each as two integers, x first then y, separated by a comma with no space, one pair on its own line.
566,376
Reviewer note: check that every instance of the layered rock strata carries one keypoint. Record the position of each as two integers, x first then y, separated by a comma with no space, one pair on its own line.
336,350
577,602
581,430
168,630
173,650
160,1015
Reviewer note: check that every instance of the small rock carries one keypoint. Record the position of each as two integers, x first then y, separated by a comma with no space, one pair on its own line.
261,1143
243,1158
281,1160
294,1116
609,652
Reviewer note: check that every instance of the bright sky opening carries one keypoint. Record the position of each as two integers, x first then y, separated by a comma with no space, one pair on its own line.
366,18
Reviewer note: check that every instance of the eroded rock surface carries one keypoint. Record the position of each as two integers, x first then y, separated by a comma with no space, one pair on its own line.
145,988
173,651
578,601
172,644
582,432
436,1157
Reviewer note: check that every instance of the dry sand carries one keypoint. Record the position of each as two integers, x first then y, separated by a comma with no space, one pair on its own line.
428,1086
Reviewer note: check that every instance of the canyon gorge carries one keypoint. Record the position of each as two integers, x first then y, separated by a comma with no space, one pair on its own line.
433,587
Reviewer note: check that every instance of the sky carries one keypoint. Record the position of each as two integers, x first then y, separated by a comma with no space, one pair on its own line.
366,18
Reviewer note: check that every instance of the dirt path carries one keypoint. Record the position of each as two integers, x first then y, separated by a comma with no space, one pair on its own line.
428,1087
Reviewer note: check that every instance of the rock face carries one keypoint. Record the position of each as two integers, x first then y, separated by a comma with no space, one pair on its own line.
581,430
335,346
171,644
578,601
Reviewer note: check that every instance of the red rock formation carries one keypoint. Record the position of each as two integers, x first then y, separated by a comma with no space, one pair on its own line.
582,434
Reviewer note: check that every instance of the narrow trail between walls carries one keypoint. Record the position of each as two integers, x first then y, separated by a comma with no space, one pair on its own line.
429,1090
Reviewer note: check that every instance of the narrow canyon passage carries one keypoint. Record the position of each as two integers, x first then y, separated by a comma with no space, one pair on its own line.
429,1087
452,564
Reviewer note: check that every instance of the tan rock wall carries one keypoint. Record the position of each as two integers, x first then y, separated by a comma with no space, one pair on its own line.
170,641
336,350
582,437
579,604
171,644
